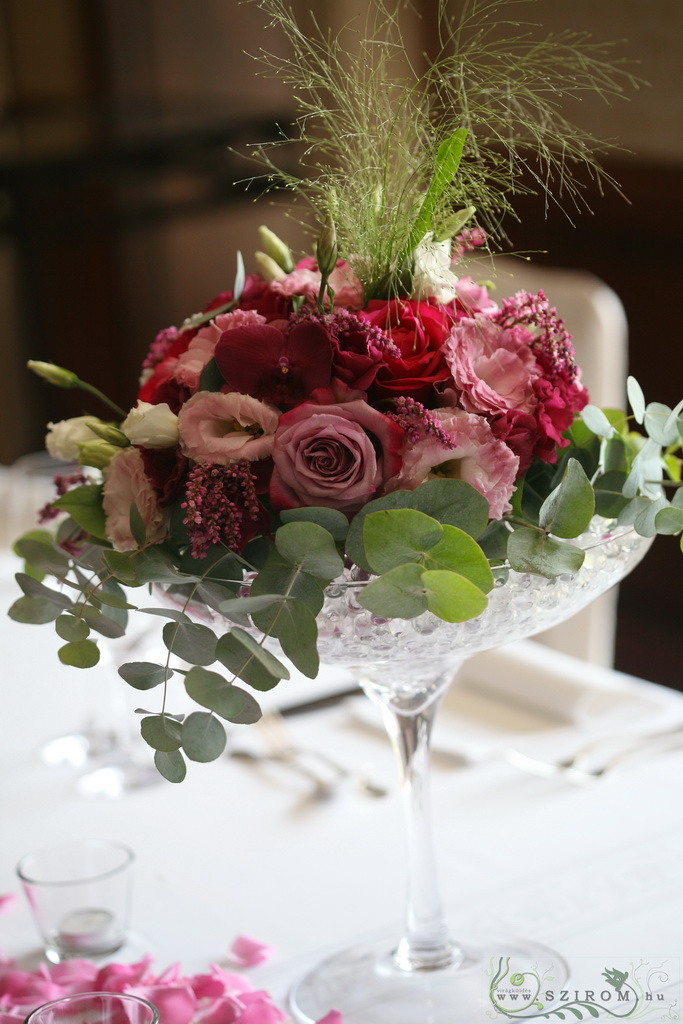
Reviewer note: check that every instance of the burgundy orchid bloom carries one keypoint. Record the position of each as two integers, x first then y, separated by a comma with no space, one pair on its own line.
275,362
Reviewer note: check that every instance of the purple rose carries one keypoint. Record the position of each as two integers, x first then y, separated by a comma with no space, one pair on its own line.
338,456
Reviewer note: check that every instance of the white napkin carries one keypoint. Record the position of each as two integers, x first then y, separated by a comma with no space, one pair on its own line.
530,675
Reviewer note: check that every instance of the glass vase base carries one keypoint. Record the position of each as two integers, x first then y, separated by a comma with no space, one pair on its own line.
367,986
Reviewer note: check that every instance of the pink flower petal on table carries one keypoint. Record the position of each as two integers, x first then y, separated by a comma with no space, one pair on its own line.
176,1003
74,975
6,900
259,1009
248,952
333,1017
119,977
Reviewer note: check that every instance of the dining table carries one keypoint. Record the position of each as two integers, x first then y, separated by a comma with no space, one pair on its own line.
250,845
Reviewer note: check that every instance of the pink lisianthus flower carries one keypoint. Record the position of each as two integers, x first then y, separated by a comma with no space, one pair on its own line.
305,280
478,458
218,428
335,456
191,363
471,298
125,483
493,368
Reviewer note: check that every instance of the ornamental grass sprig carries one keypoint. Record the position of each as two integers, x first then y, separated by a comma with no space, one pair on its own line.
382,128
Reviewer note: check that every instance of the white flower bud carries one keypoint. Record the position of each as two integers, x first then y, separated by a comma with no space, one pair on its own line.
63,439
276,249
268,268
152,426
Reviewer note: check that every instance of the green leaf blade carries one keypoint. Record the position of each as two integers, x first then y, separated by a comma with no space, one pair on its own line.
203,737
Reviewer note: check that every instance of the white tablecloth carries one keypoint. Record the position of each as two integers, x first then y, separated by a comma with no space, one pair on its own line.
594,871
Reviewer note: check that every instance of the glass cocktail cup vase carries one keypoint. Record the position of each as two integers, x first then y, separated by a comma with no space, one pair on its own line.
427,975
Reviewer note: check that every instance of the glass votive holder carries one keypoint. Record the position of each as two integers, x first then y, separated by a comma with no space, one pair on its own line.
80,895
95,1008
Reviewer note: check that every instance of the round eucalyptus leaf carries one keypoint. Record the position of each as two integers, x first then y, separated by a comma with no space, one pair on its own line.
34,610
394,537
33,588
311,548
568,510
669,520
72,629
161,732
203,736
597,422
191,642
170,764
331,519
535,552
452,597
144,675
660,424
212,691
398,594
459,553
107,625
250,711
82,654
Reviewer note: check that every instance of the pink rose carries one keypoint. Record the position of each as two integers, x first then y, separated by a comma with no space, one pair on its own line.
218,429
191,363
335,456
125,483
493,368
479,459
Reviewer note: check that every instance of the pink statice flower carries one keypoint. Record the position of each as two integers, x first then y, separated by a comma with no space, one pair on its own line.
218,428
125,484
473,454
493,368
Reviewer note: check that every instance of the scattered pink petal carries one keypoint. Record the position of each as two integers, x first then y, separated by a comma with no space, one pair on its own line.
176,1004
333,1017
248,952
6,900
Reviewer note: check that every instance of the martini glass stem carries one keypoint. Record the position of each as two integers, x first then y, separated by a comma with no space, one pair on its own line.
425,944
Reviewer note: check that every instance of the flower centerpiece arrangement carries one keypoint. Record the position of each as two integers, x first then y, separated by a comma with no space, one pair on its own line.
367,412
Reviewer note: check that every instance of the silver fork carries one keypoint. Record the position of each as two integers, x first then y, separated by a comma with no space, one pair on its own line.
573,768
320,768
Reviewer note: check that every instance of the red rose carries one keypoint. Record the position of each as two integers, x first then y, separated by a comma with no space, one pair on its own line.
418,330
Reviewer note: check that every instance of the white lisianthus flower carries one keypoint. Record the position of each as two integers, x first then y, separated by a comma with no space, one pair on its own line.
433,277
152,426
63,439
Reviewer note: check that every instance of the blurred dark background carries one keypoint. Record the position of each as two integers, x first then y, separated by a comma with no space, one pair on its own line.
120,213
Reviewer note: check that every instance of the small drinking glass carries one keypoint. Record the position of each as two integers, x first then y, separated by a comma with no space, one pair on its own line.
95,1008
80,896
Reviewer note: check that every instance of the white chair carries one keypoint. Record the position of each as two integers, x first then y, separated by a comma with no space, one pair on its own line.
595,317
